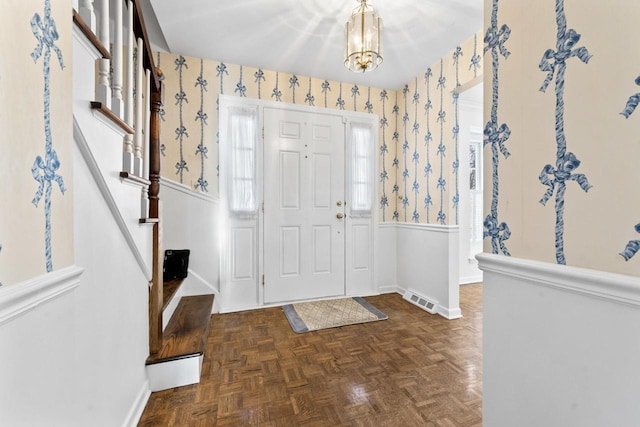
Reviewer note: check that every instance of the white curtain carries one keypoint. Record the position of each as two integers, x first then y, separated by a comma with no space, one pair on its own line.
241,161
361,163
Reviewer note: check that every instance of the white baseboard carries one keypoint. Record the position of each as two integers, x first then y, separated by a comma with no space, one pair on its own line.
138,406
450,314
20,298
391,289
466,280
195,284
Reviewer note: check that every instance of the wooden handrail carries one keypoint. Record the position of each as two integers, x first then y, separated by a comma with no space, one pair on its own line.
90,35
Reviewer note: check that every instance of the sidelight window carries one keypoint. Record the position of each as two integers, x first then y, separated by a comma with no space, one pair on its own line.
242,171
361,173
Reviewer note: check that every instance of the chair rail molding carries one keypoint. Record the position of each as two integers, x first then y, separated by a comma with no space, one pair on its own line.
595,283
164,182
19,298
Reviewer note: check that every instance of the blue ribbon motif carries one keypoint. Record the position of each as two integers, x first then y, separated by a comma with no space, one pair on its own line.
476,59
310,99
384,202
496,38
259,78
497,135
564,51
45,32
497,233
632,103
241,89
48,166
552,177
632,247
202,82
202,116
221,71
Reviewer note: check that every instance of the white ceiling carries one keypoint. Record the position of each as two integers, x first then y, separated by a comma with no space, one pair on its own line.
305,37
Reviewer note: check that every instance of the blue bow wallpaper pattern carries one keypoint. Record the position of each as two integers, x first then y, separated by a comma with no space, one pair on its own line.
632,103
496,135
405,162
45,170
555,178
36,225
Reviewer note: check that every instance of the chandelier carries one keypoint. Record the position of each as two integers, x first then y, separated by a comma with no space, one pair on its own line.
363,39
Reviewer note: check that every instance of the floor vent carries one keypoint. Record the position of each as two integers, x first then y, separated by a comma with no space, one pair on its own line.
422,302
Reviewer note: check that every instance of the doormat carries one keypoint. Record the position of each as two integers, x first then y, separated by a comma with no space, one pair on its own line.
315,315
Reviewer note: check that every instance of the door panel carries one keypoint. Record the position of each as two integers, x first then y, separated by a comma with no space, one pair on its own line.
303,180
289,180
321,176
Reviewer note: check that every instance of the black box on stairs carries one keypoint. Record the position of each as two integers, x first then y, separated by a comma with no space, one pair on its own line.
176,263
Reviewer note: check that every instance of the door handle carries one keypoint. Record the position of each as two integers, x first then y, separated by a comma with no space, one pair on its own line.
339,203
340,215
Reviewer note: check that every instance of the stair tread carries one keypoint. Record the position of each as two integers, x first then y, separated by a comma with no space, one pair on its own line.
187,332
169,288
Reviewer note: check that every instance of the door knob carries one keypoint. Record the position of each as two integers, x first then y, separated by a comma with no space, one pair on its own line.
339,203
340,215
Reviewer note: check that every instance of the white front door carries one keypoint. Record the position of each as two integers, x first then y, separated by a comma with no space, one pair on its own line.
304,194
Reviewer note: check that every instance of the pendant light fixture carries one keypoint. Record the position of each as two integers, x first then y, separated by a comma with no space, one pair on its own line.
363,39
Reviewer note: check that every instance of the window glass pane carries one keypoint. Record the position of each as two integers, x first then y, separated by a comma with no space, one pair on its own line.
242,184
361,170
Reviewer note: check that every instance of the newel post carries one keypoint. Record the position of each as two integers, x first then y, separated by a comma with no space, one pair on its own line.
154,149
155,291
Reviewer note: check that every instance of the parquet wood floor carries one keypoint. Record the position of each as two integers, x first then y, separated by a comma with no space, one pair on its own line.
414,369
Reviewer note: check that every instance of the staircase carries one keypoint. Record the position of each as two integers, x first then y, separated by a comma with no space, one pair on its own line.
179,361
118,135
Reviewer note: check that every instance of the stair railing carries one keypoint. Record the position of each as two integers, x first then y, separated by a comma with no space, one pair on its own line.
129,91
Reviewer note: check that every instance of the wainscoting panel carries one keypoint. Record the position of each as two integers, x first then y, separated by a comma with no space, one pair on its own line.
561,345
386,279
427,263
191,221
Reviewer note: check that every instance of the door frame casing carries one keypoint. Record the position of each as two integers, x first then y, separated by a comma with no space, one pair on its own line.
242,293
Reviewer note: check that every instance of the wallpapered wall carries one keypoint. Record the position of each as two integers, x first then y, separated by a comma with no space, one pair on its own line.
561,100
189,125
36,209
428,185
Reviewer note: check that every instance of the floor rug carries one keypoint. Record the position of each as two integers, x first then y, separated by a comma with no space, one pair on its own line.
314,315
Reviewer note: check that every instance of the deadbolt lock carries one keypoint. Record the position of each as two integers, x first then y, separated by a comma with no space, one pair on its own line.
339,203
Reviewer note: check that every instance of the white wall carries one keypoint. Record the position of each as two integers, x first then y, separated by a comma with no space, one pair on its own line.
561,345
191,221
78,359
427,263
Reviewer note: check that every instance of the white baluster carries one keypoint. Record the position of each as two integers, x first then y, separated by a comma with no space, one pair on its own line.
86,12
147,125
137,141
127,155
117,105
103,91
